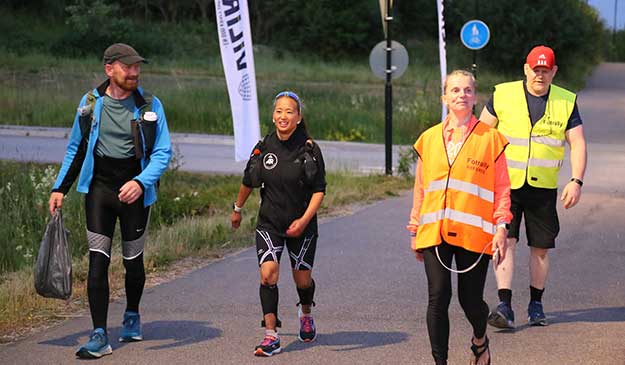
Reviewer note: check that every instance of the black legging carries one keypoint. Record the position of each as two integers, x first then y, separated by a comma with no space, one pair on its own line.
470,294
102,210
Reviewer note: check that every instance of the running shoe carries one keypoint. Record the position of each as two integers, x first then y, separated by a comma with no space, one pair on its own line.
96,347
535,314
502,316
131,329
269,346
307,329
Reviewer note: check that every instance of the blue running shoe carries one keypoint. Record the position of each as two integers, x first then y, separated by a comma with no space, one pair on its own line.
131,330
535,314
96,347
502,316
269,346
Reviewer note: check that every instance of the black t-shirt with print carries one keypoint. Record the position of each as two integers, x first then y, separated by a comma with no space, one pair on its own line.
285,195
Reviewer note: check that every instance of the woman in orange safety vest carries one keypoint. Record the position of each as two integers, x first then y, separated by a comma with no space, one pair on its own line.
461,209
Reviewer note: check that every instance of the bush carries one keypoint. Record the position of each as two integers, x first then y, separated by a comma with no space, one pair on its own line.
91,27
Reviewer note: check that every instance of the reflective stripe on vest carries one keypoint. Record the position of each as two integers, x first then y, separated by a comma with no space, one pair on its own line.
535,154
458,201
464,186
458,216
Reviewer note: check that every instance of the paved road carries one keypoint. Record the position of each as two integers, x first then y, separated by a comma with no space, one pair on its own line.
372,294
197,152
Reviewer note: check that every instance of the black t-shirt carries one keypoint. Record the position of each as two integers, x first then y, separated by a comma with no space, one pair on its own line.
536,106
285,195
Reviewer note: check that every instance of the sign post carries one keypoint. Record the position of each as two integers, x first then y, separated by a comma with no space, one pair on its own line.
475,35
388,94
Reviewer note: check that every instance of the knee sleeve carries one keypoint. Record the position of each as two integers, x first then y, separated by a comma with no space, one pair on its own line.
306,295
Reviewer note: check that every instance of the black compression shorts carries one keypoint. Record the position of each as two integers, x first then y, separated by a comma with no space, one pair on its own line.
269,247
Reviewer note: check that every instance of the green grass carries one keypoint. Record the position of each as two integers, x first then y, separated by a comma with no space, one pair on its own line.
25,187
191,219
342,101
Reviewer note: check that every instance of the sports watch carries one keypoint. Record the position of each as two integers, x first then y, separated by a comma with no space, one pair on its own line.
236,208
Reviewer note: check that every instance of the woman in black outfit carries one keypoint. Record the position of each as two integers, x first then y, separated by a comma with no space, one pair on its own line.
288,167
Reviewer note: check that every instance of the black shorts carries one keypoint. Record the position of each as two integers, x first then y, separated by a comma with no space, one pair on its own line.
269,247
538,205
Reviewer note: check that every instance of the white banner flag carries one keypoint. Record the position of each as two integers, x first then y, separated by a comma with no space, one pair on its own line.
237,56
442,53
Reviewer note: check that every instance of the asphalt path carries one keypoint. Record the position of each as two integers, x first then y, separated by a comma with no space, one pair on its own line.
372,294
194,152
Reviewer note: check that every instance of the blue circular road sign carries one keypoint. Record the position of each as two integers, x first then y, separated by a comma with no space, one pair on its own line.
474,34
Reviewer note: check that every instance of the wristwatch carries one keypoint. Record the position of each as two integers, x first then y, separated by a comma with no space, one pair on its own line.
236,208
577,181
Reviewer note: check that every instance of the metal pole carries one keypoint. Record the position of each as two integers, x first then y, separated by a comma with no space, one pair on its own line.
474,72
388,94
474,65
614,26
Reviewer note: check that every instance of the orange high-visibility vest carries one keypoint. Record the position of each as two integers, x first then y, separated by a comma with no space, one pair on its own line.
458,202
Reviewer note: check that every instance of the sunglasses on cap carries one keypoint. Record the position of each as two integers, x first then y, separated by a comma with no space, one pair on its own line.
291,95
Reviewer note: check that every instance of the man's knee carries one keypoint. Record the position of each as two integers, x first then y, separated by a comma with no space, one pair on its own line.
539,253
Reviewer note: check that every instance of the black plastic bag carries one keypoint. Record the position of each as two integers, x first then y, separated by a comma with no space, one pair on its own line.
53,270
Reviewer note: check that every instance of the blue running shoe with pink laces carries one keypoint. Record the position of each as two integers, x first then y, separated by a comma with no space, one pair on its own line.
268,347
307,329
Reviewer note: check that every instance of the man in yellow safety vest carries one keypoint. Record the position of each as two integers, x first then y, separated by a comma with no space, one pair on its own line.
537,118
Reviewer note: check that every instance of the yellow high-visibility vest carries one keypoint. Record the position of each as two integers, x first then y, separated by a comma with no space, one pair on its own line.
458,200
535,154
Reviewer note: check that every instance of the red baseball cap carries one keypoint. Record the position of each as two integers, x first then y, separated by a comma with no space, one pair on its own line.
541,56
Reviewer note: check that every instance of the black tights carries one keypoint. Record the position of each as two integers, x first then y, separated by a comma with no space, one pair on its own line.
98,286
470,294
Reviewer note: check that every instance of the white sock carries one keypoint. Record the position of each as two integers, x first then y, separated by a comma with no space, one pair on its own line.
271,333
302,314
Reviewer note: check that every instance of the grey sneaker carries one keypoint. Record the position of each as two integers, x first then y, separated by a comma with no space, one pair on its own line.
502,316
535,314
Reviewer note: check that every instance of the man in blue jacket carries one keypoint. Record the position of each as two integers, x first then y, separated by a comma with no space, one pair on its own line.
118,148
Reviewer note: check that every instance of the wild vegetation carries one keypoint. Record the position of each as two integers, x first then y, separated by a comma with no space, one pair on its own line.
190,219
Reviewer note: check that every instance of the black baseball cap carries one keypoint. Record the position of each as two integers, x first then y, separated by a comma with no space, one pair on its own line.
123,53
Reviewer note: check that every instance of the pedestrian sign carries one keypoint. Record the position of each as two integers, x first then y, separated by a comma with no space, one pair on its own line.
474,34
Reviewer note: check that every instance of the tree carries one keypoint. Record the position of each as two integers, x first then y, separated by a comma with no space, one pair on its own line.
571,27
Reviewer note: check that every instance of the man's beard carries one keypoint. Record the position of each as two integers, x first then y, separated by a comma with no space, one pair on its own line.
126,83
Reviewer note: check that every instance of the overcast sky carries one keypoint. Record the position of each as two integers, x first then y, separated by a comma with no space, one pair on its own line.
606,11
